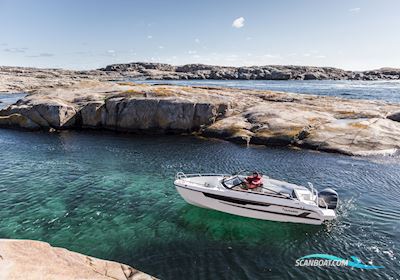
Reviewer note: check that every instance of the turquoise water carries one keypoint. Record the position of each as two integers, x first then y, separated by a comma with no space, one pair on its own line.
112,196
379,90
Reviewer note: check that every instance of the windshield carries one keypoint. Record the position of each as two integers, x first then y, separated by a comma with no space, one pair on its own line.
232,182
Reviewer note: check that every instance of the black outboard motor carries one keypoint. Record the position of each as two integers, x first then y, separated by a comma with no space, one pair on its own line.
328,197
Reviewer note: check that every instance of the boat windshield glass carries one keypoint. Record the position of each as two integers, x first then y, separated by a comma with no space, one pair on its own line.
232,182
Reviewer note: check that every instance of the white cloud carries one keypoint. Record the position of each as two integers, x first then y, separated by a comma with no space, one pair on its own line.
355,10
238,23
160,47
15,50
197,40
268,55
320,56
110,53
192,52
149,37
41,55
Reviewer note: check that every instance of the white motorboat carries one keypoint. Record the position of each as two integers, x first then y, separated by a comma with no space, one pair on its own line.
273,200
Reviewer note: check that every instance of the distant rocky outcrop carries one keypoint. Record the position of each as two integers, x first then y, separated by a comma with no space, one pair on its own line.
270,72
26,79
26,259
352,127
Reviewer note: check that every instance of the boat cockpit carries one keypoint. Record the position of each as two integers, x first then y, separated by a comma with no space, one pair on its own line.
270,187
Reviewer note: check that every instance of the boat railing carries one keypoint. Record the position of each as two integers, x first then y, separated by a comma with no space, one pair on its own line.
181,175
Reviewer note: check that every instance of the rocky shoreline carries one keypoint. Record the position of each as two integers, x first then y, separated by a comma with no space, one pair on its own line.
18,79
351,127
160,71
27,259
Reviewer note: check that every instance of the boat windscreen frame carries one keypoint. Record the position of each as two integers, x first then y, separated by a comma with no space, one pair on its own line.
272,192
231,178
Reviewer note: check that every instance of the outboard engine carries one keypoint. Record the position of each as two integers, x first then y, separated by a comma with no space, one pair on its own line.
328,197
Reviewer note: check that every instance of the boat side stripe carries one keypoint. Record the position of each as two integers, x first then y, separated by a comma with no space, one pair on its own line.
301,215
235,200
244,202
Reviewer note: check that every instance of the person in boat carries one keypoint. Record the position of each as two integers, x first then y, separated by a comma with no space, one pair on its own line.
253,182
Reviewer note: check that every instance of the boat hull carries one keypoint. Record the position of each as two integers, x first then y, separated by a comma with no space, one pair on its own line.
245,208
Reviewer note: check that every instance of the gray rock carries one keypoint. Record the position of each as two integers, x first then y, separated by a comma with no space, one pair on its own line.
18,121
24,79
57,114
92,114
394,116
42,261
136,114
352,127
280,75
311,76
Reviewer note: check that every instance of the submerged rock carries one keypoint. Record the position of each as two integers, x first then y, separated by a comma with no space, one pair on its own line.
26,259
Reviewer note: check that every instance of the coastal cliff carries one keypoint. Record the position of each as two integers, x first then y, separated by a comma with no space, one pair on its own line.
26,259
352,127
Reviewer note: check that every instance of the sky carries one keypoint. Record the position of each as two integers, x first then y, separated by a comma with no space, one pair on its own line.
88,34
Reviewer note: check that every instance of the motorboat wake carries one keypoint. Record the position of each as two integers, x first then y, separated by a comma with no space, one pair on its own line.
258,196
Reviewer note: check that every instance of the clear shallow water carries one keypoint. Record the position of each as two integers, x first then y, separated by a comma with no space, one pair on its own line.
379,90
112,196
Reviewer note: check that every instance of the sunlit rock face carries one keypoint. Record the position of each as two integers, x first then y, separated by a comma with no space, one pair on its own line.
26,259
352,127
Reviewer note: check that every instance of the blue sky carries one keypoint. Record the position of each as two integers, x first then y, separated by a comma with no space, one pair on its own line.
88,34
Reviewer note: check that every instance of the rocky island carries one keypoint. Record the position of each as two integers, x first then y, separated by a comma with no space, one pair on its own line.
15,79
161,71
351,127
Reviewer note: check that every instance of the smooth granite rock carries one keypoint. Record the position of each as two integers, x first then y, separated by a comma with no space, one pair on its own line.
352,127
18,121
35,260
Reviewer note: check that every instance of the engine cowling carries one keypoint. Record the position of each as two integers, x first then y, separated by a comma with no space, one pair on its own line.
328,197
